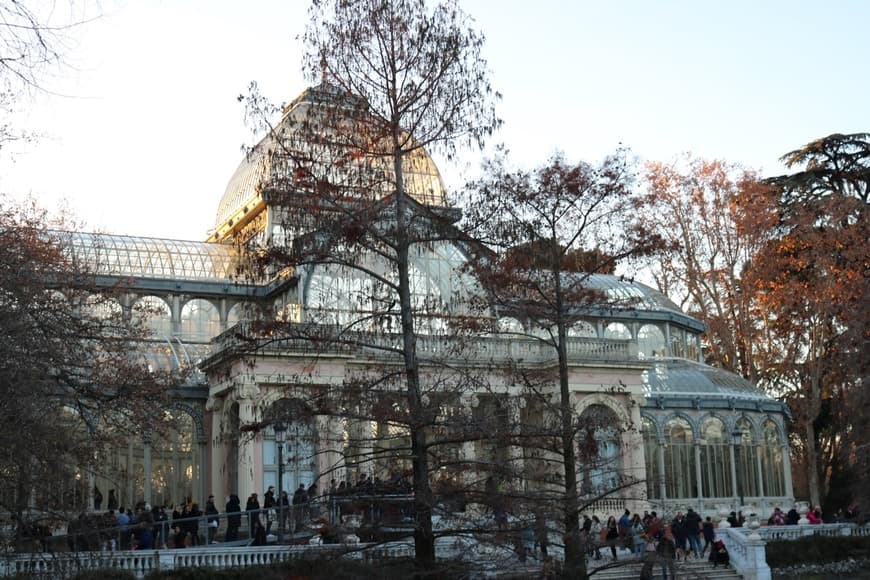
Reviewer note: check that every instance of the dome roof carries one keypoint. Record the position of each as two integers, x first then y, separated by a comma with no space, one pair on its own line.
622,291
265,166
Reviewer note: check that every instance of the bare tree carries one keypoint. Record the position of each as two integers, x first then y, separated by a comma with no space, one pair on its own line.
361,200
549,231
72,378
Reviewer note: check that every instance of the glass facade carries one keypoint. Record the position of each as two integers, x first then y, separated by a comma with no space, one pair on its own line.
113,255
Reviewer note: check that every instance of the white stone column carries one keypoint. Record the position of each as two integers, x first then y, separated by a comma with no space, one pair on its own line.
786,464
146,468
734,493
760,475
131,478
698,474
203,489
92,481
329,456
246,479
515,452
660,458
632,441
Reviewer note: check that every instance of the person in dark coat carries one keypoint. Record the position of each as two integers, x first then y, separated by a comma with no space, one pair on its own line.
269,504
234,518
213,520
300,501
253,508
259,533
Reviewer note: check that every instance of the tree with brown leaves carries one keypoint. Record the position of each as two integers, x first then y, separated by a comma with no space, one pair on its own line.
812,285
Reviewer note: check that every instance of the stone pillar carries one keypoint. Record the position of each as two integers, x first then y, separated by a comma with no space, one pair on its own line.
175,315
632,442
660,457
131,478
246,481
328,451
786,464
203,478
698,474
758,452
734,493
146,468
515,452
92,481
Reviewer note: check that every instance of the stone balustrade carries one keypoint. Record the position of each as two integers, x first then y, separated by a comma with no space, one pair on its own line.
747,555
142,562
327,340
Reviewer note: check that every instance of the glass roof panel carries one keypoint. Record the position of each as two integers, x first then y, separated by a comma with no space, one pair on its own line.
113,255
685,377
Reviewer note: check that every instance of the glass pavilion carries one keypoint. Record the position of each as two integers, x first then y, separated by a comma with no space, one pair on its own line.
701,436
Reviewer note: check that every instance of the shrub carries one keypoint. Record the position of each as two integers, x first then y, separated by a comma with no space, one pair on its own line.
105,574
816,550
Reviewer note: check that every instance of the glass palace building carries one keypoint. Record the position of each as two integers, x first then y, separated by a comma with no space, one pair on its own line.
691,435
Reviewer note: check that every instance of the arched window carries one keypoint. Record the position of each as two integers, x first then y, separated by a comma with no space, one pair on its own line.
650,341
650,456
508,324
154,314
582,329
599,450
715,459
680,477
200,320
747,460
237,313
772,467
618,331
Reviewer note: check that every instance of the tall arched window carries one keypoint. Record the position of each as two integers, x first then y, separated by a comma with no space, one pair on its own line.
715,459
650,340
200,320
772,467
650,457
680,460
599,456
154,314
747,460
617,330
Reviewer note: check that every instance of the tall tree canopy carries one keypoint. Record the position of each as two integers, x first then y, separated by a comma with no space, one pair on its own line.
395,77
716,217
578,219
811,281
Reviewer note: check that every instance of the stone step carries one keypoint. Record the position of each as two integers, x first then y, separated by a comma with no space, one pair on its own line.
630,569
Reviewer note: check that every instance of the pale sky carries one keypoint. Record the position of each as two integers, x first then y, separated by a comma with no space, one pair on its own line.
150,130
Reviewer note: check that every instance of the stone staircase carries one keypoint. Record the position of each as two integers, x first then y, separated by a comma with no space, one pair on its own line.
625,569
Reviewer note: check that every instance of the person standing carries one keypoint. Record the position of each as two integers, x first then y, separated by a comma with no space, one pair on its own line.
253,508
693,532
211,512
269,505
300,498
709,532
611,535
667,553
234,518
